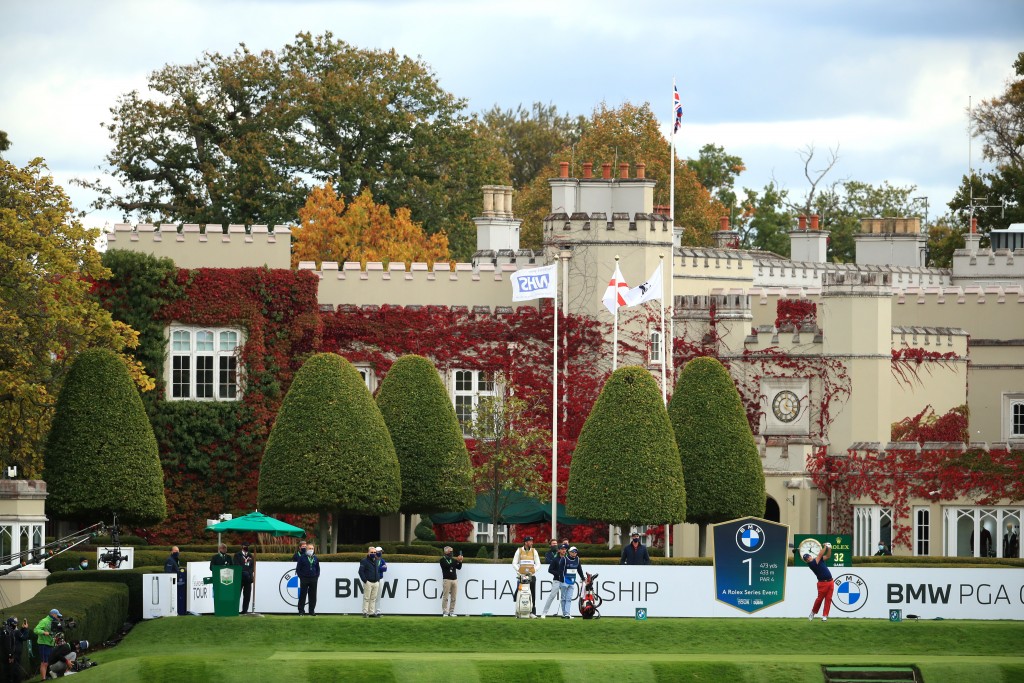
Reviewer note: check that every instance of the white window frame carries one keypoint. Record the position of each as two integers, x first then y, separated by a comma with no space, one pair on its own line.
20,537
483,533
654,345
962,524
1013,430
869,525
202,361
922,530
369,375
466,388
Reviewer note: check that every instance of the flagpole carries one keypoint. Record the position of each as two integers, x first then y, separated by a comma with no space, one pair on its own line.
554,421
671,341
615,323
661,300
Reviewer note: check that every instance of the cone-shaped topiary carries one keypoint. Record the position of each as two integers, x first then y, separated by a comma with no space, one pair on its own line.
329,449
626,468
432,454
724,479
101,455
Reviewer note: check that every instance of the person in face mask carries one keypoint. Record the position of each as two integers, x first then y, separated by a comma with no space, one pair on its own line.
246,560
370,575
882,550
83,564
635,552
171,565
308,570
450,566
221,559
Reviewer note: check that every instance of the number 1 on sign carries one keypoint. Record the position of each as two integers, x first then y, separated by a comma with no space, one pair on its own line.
750,571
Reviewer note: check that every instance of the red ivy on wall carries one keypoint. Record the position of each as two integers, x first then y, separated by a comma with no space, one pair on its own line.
795,312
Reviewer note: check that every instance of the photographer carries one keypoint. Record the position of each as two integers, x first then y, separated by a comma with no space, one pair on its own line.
64,657
12,638
44,631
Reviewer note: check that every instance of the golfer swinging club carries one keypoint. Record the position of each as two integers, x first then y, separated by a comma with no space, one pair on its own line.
825,581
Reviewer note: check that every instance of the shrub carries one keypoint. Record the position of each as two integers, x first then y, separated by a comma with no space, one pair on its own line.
130,578
432,454
329,448
99,609
626,468
101,454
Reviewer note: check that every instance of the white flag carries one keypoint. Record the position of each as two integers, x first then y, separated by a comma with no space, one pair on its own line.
535,283
653,289
617,287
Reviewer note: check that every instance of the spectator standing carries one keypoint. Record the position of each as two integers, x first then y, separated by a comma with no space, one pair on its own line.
246,560
552,552
171,566
635,552
572,570
12,646
526,561
825,582
450,565
370,575
221,559
308,570
557,570
300,553
44,638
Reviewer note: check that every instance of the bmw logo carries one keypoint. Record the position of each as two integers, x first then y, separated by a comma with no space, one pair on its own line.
750,538
288,587
851,593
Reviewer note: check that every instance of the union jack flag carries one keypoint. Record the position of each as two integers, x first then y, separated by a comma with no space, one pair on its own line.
677,106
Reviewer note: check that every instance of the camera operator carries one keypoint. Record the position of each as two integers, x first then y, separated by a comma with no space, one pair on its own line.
63,658
11,637
44,631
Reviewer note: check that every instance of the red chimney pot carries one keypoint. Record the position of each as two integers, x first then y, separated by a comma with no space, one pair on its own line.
723,223
814,222
606,171
641,170
623,170
802,225
588,169
563,169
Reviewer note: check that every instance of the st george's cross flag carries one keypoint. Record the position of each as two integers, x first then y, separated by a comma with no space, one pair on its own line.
535,283
653,289
617,287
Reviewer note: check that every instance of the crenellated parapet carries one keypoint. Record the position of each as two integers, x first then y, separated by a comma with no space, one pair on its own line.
421,284
207,246
619,227
776,272
985,266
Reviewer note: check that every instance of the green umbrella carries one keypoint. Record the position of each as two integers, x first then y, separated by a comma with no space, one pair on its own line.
259,523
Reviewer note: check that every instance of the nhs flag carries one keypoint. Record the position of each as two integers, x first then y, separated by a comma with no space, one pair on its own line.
535,283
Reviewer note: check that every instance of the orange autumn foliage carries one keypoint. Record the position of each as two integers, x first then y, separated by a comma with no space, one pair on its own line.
330,230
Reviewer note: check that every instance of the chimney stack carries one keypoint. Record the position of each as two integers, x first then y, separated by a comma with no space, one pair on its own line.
972,240
724,237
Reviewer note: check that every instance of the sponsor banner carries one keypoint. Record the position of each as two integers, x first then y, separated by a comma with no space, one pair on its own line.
868,592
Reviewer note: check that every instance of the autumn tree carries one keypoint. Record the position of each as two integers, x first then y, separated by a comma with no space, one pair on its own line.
630,134
531,138
764,222
243,137
944,238
717,171
361,231
506,457
47,317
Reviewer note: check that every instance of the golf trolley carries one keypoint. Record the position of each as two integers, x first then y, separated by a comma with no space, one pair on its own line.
590,601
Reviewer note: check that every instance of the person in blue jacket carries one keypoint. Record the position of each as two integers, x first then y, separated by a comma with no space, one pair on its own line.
370,574
573,569
308,570
635,552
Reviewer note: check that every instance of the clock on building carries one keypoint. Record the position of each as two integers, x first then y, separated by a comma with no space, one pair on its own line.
786,406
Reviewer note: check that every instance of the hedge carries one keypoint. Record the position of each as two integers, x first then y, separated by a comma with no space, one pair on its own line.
99,609
130,578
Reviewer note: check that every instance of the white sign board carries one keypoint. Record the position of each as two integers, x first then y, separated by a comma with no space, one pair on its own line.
868,592
125,552
159,596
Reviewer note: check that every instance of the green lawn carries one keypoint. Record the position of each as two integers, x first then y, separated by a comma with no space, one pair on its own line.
471,649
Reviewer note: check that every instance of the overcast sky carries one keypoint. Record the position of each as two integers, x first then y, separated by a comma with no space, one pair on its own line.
886,82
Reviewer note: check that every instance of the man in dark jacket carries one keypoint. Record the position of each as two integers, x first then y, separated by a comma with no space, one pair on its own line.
635,552
450,566
221,559
370,575
245,560
300,553
171,566
13,637
308,571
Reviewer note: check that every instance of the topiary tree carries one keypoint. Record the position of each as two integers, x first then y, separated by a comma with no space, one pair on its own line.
432,455
626,467
101,455
724,479
329,450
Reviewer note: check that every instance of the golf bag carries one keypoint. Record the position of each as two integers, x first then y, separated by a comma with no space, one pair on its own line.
524,598
589,600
